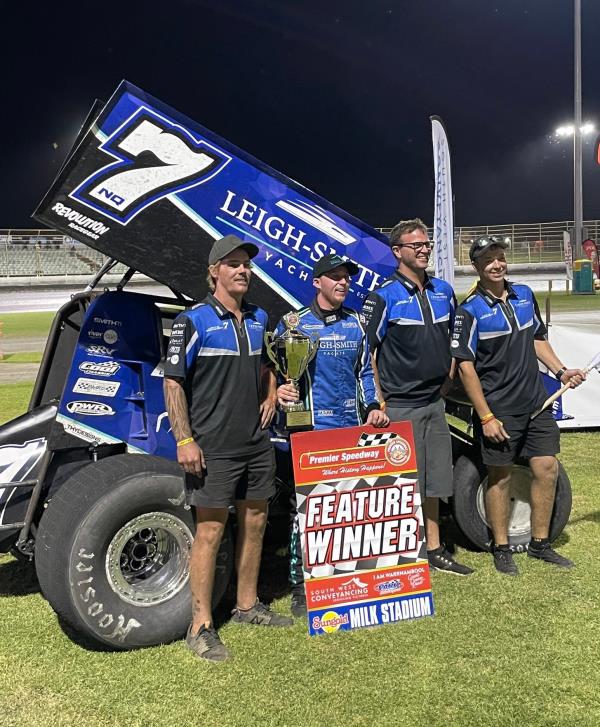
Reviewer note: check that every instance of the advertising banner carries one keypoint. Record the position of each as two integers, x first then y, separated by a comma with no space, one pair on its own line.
443,225
361,525
568,251
590,250
152,188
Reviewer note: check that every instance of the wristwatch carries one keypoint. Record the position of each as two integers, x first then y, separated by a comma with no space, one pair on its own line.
560,372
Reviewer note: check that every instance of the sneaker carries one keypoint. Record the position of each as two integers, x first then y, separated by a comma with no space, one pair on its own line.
503,560
441,560
206,643
298,607
548,555
260,615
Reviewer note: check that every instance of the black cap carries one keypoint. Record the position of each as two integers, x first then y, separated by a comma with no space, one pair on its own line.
330,262
228,244
482,244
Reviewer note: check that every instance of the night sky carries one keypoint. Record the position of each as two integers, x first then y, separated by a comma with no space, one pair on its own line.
336,95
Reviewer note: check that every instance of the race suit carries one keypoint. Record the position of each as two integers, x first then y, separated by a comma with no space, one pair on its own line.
338,386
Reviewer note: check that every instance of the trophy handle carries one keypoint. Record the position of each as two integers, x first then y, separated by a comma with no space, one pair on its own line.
270,343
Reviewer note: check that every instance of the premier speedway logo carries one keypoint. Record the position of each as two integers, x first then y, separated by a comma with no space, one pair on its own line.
123,188
317,217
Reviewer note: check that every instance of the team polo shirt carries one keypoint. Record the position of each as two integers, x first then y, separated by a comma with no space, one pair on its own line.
410,330
499,338
219,361
338,386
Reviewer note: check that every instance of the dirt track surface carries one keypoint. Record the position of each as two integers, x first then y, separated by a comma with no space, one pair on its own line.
22,344
17,372
13,373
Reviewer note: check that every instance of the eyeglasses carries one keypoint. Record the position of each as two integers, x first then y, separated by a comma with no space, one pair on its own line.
416,246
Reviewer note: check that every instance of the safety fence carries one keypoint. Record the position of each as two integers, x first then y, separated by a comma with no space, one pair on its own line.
540,242
31,253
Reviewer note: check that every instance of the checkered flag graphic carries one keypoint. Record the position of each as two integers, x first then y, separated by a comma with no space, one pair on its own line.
372,440
329,569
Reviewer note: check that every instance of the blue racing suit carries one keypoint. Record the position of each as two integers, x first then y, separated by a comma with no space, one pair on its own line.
338,385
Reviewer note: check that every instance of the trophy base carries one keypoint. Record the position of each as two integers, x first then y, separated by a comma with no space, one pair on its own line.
296,421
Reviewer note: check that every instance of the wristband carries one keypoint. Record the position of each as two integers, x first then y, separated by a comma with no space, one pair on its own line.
487,418
560,373
188,440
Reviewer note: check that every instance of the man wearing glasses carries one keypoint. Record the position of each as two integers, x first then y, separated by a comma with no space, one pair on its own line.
409,323
219,414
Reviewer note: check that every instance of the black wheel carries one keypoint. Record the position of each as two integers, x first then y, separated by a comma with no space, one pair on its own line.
112,552
470,482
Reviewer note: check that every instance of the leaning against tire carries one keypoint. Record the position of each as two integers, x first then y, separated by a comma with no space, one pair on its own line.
112,552
468,504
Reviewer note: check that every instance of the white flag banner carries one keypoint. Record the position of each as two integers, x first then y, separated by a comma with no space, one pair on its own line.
443,223
568,248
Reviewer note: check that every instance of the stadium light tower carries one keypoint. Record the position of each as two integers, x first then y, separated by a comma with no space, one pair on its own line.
577,130
577,173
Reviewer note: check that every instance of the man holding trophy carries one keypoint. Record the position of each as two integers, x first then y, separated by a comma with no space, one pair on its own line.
328,372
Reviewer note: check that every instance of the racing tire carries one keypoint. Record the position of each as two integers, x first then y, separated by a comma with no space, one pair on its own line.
112,553
468,504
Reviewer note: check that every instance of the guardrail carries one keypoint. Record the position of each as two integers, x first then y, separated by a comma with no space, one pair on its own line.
30,253
539,242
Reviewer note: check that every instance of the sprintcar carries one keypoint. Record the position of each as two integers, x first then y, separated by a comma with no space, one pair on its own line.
90,489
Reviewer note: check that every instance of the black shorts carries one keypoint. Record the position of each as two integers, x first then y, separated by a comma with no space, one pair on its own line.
251,477
539,437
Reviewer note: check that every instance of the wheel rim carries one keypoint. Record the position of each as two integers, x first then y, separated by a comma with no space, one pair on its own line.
519,522
147,560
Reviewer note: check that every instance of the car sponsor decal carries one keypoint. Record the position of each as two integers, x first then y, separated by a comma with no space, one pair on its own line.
96,388
90,408
109,368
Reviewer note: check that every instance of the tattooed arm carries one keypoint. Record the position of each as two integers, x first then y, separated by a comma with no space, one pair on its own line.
189,456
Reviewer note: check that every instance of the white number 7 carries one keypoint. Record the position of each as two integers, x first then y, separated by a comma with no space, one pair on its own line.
124,188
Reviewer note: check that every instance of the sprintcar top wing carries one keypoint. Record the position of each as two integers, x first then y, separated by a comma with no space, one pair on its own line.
151,188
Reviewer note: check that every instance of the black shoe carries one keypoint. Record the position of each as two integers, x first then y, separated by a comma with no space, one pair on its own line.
503,560
441,560
298,606
206,643
548,555
260,615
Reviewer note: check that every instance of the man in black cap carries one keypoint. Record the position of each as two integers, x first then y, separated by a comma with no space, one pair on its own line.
498,339
339,382
409,322
220,398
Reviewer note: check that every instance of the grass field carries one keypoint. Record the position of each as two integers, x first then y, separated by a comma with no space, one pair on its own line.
23,357
22,325
13,400
499,651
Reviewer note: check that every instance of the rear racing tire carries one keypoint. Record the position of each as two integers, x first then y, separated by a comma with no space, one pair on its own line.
468,504
112,553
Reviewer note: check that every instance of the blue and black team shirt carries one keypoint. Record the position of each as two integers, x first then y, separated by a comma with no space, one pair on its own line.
338,385
498,338
410,330
219,361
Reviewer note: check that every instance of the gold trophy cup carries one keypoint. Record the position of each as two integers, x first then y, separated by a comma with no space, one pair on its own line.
291,352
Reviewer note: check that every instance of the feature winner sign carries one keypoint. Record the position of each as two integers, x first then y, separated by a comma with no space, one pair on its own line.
361,525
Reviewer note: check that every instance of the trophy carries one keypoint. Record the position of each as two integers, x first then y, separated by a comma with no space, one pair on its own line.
291,352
